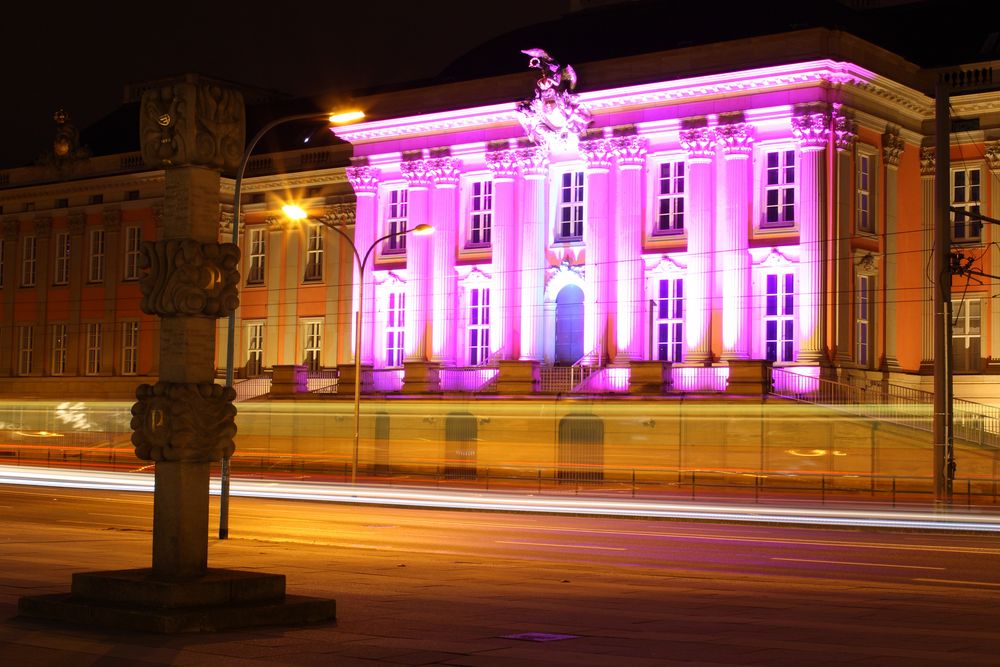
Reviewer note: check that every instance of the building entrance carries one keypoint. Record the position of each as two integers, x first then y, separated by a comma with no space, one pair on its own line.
569,326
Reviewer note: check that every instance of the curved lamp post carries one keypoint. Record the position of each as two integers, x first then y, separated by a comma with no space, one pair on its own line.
297,213
332,119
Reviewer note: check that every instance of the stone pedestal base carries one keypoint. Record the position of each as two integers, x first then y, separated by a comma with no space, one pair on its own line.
518,377
345,379
749,377
135,600
421,377
289,380
649,377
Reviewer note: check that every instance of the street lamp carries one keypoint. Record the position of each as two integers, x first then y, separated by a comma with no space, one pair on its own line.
294,212
332,119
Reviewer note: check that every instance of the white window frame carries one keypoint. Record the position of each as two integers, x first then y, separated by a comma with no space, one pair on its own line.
314,254
783,317
130,347
478,326
133,241
255,348
95,273
93,359
25,348
865,184
61,268
669,196
967,334
29,261
480,213
570,200
60,348
394,334
397,220
312,343
667,317
968,196
256,245
863,319
785,151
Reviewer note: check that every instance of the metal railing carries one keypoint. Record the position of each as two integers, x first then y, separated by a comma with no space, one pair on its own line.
323,382
475,379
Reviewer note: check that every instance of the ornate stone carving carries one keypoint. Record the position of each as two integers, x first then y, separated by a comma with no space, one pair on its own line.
185,277
868,263
112,218
191,422
445,171
927,161
699,142
11,229
364,179
503,164
66,148
892,147
157,212
192,122
417,173
554,117
993,155
630,151
812,130
599,154
736,139
533,162
340,215
43,227
845,131
77,224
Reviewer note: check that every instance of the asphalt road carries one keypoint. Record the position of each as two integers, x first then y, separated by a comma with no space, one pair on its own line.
627,591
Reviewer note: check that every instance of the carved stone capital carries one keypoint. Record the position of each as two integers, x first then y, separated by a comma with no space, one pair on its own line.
43,227
630,151
192,122
532,162
445,171
811,130
845,130
191,422
11,229
599,153
418,173
339,215
892,147
736,139
184,277
77,224
699,142
992,154
503,164
927,161
112,218
364,179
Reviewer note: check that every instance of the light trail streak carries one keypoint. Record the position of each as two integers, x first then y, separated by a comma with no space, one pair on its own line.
508,502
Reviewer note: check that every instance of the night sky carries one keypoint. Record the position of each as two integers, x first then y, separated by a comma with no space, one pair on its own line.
79,57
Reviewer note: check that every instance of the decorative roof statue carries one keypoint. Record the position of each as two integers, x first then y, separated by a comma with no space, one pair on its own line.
65,149
554,118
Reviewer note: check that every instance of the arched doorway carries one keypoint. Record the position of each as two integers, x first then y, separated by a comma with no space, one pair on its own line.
461,434
569,326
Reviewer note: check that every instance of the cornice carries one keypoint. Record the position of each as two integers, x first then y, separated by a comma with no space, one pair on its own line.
279,181
63,188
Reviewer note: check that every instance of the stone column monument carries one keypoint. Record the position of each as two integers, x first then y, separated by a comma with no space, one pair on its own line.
192,128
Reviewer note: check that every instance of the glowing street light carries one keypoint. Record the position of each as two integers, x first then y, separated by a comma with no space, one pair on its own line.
333,119
297,213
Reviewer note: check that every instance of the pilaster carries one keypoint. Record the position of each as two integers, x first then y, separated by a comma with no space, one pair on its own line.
364,180
892,148
700,145
533,165
445,173
927,171
732,240
504,312
627,287
599,248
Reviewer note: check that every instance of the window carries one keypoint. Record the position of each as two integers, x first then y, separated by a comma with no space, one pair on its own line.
668,320
966,335
62,259
862,321
93,348
3,249
479,326
131,195
96,272
29,261
311,343
130,347
96,199
570,207
779,188
779,321
480,213
314,253
865,188
25,348
255,348
133,239
62,202
965,194
60,345
670,198
396,220
255,274
395,329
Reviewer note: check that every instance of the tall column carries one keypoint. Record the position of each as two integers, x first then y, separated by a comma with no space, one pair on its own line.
892,149
992,154
43,255
700,145
813,133
627,291
364,180
927,225
843,261
534,165
11,236
445,172
600,244
732,240
77,278
418,261
504,313
112,219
